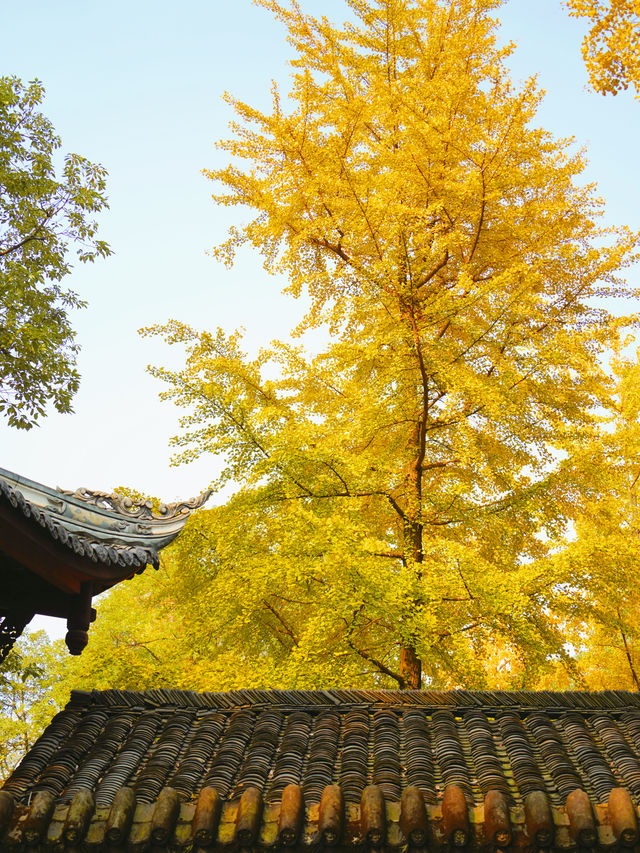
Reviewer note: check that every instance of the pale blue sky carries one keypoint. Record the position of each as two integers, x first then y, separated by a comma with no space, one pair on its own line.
137,86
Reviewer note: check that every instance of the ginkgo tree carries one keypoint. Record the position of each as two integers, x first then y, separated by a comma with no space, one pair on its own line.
598,598
397,491
611,48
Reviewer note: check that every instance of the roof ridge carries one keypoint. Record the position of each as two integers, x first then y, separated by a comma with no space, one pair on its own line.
462,699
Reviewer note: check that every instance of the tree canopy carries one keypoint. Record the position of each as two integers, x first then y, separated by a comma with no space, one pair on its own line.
611,48
27,695
43,213
432,492
399,490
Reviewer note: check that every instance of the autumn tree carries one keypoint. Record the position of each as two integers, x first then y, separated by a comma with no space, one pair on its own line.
611,48
595,592
397,490
27,695
44,213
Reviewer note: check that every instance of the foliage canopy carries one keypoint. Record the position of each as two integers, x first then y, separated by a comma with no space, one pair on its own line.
27,695
400,488
611,49
41,215
402,496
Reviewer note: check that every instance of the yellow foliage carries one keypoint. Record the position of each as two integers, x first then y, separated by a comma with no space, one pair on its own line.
611,49
401,495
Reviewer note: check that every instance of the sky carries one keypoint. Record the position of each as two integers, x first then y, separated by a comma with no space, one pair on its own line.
138,86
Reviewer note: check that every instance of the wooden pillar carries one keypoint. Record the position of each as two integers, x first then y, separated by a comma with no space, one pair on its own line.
79,619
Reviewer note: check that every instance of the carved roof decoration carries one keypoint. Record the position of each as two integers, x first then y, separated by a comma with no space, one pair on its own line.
107,528
134,508
59,548
356,770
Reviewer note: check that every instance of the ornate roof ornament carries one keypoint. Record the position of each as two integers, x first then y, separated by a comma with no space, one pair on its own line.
134,508
59,548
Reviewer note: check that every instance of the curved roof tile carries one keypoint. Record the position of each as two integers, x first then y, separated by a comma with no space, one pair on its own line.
476,770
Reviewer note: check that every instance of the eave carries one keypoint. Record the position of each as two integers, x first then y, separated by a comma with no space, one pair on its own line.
58,549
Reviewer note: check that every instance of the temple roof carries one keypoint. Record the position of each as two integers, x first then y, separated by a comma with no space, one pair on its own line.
60,548
106,528
166,769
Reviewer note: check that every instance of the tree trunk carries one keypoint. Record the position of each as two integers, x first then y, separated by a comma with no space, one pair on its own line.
411,668
634,674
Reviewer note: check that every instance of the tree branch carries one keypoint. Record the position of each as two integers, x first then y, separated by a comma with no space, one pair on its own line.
287,628
378,664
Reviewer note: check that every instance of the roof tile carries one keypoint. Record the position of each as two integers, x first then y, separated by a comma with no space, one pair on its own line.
175,769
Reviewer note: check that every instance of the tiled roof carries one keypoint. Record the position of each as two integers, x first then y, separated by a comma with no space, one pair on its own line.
84,546
172,770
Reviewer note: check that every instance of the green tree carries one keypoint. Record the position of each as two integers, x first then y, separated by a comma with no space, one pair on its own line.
42,214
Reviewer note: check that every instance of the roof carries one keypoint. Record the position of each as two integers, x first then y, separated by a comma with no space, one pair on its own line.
105,528
176,770
59,548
